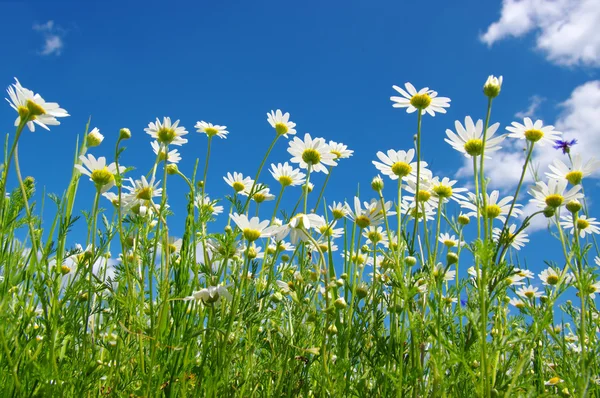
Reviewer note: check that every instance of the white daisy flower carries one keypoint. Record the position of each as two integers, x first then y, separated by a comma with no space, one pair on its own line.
492,86
281,123
372,214
211,295
450,240
161,151
407,207
375,235
262,195
166,132
253,228
549,277
553,194
425,100
525,273
211,129
575,173
553,381
239,183
287,175
341,210
468,140
340,150
33,108
142,191
101,174
534,132
204,203
529,292
399,164
593,289
446,190
495,208
329,230
94,138
585,225
298,227
516,241
440,272
520,304
313,152
253,251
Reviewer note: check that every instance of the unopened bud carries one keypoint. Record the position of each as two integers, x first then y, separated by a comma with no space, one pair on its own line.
124,134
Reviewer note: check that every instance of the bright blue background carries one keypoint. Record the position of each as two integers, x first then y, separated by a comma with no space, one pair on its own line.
330,64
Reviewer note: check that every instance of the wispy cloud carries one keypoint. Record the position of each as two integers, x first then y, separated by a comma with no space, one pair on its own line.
534,104
567,30
53,38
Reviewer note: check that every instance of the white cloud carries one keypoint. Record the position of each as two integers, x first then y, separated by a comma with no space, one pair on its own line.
53,38
534,104
567,30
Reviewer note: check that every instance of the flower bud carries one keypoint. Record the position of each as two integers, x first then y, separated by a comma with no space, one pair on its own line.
574,206
285,258
362,291
377,184
451,258
172,169
94,138
463,220
410,260
340,303
492,86
549,212
124,134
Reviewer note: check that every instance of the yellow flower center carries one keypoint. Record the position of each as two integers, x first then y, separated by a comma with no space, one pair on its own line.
172,248
252,253
520,305
449,243
423,196
363,221
259,197
326,230
553,381
529,294
23,112
374,236
162,155
574,177
166,135
552,279
238,186
311,156
443,191
281,129
285,181
144,193
337,154
554,200
420,101
474,147
492,211
102,177
251,234
582,224
35,109
534,135
211,131
401,169
337,213
358,259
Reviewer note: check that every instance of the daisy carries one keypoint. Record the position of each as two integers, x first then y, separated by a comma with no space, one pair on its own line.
553,381
211,295
593,289
425,100
576,172
440,272
407,207
584,225
323,245
298,227
341,210
340,150
281,123
516,241
204,203
525,273
329,230
495,209
375,235
166,132
399,164
253,228
253,251
239,184
450,241
492,86
520,304
468,140
287,175
211,129
528,292
445,189
142,190
94,138
33,108
262,194
100,173
161,151
534,132
549,277
553,194
312,152
372,214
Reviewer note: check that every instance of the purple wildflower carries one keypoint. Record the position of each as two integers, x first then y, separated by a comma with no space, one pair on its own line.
564,145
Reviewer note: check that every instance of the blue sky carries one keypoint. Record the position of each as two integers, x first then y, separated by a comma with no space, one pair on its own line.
330,64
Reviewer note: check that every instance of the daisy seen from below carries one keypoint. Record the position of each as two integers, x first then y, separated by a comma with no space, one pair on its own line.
584,224
534,132
517,241
549,277
495,208
313,153
167,133
341,210
450,240
32,108
518,303
142,191
399,164
375,235
211,130
425,100
408,208
340,150
372,214
445,190
161,152
529,292
239,183
298,227
281,123
262,194
468,139
204,203
287,175
553,194
575,173
440,272
94,138
253,228
101,174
